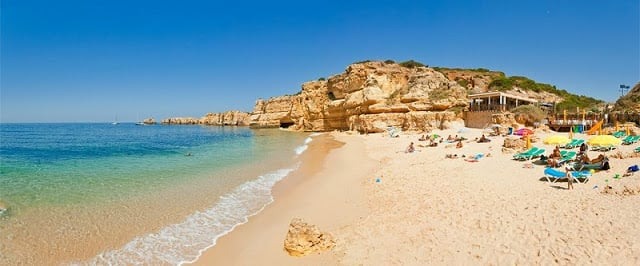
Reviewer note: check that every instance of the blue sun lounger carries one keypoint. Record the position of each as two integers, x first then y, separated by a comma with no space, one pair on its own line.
552,175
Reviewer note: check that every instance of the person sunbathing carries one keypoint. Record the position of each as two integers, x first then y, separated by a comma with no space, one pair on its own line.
483,139
459,145
423,138
598,159
450,138
410,148
585,158
554,157
583,148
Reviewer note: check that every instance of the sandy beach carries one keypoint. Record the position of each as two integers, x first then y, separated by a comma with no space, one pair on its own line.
428,209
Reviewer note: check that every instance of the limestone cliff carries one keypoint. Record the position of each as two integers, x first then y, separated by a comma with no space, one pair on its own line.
368,97
229,118
630,102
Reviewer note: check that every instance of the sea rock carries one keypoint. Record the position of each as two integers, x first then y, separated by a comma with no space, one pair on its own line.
149,121
303,239
3,207
229,118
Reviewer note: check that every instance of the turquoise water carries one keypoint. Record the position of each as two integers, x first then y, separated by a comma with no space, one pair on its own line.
178,187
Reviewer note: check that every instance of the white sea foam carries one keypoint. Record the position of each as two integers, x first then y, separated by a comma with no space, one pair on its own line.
184,242
316,134
300,149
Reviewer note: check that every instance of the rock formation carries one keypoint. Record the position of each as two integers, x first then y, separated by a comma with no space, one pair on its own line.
303,239
229,118
149,121
368,97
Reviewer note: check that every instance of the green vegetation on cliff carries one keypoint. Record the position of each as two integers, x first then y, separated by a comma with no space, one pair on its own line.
570,102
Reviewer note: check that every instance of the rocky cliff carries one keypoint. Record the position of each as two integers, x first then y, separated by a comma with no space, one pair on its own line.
229,118
630,102
368,97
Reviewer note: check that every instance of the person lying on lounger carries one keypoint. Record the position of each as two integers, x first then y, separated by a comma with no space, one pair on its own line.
554,157
459,145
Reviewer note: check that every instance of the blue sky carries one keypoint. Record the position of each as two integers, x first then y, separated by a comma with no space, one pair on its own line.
95,60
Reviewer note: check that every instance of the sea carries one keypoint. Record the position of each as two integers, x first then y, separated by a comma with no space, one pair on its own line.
98,193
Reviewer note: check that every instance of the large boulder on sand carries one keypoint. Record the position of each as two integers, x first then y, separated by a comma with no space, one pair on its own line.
303,239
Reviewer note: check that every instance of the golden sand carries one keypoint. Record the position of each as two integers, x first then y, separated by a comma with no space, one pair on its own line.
387,207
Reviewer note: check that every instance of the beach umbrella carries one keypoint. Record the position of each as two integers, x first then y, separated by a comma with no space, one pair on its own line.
557,140
528,141
628,131
571,132
524,132
604,140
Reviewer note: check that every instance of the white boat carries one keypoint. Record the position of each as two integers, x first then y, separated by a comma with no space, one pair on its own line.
115,122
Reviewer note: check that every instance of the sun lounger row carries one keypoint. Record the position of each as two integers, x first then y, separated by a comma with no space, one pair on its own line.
528,155
552,175
573,144
619,134
630,140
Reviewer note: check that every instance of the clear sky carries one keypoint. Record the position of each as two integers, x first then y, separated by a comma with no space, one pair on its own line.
95,60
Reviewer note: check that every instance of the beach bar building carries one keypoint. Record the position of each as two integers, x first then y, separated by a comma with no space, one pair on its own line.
483,106
497,101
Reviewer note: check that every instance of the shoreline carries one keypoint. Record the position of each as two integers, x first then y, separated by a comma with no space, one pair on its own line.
325,191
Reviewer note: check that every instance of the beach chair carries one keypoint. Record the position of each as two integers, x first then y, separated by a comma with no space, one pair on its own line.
532,155
552,175
574,143
619,134
606,148
630,140
526,153
637,149
567,156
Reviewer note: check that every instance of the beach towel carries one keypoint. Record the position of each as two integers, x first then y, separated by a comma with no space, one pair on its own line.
633,168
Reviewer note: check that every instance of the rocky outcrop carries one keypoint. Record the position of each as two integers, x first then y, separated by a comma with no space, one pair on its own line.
303,239
149,121
368,97
229,118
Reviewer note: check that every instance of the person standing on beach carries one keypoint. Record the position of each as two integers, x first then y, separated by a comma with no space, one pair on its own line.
569,178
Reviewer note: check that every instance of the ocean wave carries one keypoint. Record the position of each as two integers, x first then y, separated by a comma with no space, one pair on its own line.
300,149
184,242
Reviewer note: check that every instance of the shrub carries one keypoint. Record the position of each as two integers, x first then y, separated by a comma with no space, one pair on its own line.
462,82
389,61
528,113
322,79
412,64
362,62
